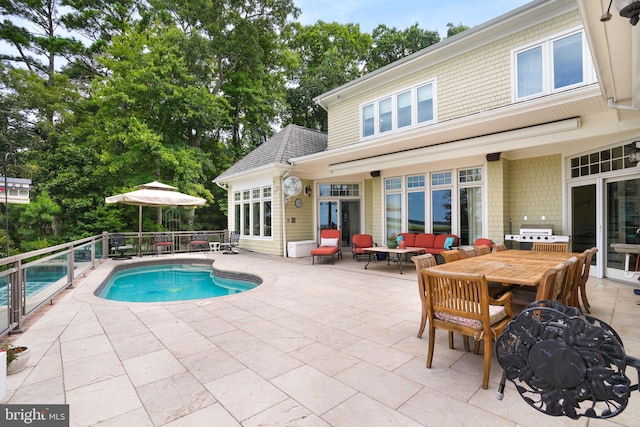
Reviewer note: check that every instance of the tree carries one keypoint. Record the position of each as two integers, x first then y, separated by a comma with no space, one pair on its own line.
38,221
236,46
97,22
391,44
137,126
324,56
452,30
39,37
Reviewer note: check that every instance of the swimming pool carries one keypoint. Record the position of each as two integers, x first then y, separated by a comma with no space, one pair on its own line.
175,281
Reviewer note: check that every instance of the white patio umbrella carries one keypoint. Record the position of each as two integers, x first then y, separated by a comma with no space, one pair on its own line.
154,194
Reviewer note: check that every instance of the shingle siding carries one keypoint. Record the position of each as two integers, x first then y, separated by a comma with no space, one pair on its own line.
476,81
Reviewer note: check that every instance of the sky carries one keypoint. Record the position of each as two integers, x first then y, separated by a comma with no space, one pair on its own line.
428,14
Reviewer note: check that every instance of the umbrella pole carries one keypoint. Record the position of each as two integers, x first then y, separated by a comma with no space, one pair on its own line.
140,230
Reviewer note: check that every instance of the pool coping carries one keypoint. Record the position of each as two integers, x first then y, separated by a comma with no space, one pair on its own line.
85,291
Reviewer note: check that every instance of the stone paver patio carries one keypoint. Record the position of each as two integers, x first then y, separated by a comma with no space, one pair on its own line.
323,345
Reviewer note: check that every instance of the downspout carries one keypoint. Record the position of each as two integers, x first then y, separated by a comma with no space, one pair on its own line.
612,104
285,250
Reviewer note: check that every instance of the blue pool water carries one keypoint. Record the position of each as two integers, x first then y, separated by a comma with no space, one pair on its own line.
170,282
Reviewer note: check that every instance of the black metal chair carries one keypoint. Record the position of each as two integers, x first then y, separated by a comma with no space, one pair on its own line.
117,243
564,363
234,241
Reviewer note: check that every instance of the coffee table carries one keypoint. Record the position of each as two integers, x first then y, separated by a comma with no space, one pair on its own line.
397,251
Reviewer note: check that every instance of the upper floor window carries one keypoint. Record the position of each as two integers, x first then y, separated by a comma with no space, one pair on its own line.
407,108
552,65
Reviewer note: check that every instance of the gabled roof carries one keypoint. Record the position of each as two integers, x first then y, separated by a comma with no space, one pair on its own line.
292,141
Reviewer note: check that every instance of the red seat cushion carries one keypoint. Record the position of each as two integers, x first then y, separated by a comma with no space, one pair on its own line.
324,250
362,241
425,240
409,238
483,242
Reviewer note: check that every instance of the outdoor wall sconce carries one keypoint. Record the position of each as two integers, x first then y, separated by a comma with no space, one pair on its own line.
307,190
627,8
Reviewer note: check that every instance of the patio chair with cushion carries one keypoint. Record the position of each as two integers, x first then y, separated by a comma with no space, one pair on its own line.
161,241
461,303
426,261
117,243
199,239
329,245
358,244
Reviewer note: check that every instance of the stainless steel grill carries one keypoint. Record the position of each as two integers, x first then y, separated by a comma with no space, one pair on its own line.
528,235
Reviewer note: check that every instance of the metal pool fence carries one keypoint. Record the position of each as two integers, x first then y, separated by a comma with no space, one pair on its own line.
31,279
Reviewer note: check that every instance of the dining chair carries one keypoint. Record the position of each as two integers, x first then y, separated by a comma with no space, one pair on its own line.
467,252
423,261
582,287
550,247
568,296
483,250
499,247
547,288
458,302
451,255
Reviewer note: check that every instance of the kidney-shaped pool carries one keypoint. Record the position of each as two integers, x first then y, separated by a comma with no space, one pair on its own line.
172,280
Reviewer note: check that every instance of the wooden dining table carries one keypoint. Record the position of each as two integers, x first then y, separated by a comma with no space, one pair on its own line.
518,267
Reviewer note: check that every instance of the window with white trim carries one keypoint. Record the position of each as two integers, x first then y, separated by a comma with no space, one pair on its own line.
403,110
425,203
470,202
557,63
252,212
393,205
441,207
416,204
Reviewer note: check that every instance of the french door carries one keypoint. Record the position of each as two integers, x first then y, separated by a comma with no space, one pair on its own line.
606,211
340,214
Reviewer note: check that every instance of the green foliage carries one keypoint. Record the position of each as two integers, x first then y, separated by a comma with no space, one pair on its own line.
452,30
325,56
391,44
165,90
38,223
